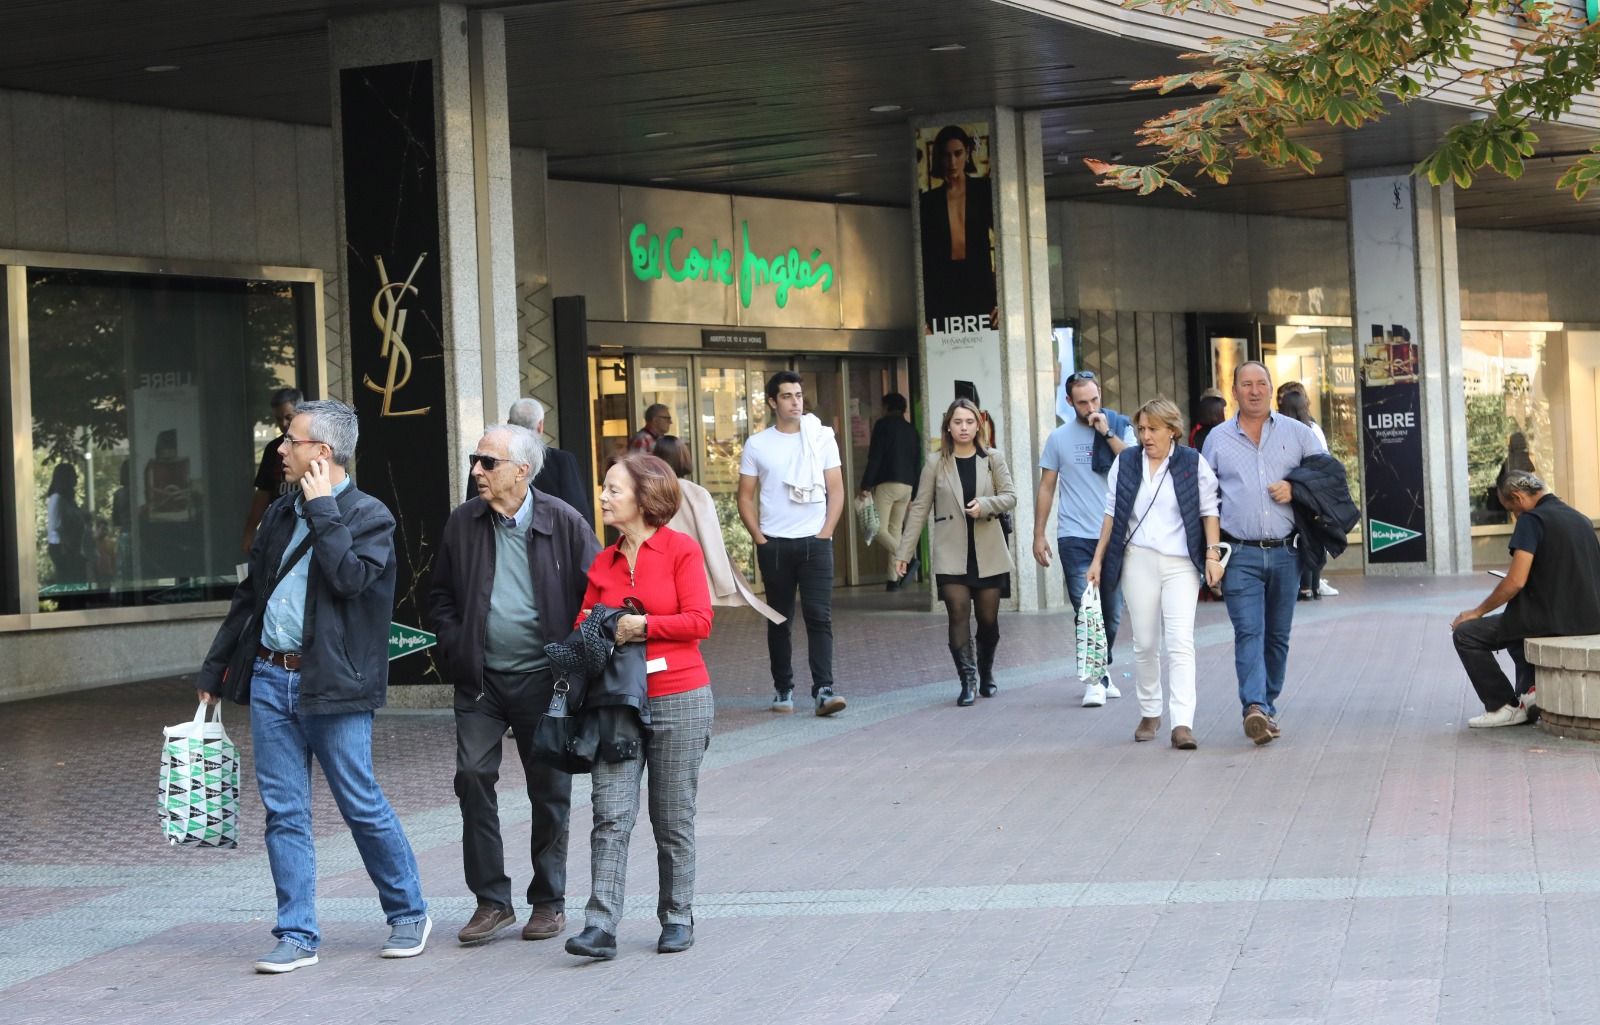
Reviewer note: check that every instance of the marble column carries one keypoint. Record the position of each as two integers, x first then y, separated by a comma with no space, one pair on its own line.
988,334
423,174
1407,325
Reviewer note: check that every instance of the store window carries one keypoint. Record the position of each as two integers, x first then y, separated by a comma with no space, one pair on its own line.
1323,359
1512,401
150,407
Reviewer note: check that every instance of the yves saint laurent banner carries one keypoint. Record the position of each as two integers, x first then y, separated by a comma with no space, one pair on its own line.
1391,447
960,301
391,215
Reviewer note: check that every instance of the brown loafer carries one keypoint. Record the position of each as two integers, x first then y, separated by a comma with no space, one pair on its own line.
1183,738
1258,726
1147,729
547,920
484,923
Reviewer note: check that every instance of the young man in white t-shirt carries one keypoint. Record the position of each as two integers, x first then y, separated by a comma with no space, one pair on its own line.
799,507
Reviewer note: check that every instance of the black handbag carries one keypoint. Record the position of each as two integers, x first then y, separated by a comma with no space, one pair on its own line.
560,738
567,736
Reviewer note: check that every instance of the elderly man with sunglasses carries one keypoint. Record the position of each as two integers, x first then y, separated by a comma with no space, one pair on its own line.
1077,461
509,574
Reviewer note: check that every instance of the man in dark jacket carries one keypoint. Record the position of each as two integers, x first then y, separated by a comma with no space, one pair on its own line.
894,458
1551,590
509,575
306,644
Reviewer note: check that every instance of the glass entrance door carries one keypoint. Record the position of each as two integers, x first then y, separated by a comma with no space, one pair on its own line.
867,381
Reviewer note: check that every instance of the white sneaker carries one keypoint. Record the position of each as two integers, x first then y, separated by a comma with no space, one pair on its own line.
1094,695
1326,589
1506,715
1111,688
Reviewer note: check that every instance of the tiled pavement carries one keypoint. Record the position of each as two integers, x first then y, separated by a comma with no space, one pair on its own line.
907,862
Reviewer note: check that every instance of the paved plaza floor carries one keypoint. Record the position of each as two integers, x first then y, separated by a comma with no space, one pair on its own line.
1021,861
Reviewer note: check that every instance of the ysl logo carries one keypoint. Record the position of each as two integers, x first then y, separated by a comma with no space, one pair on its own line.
391,319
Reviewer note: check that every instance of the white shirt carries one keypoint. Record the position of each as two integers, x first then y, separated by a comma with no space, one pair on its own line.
1161,529
767,456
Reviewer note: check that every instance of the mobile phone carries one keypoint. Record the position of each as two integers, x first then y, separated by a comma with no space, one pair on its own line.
1498,573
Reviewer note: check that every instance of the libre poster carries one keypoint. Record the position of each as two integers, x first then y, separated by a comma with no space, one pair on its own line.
959,296
1391,447
391,211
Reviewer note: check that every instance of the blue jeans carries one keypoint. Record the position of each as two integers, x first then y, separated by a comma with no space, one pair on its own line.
285,742
1259,588
1076,554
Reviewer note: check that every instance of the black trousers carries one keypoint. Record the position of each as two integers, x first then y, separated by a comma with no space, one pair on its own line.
517,701
804,564
1476,642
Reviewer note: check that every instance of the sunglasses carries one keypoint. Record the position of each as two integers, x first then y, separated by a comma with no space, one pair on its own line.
1082,375
487,462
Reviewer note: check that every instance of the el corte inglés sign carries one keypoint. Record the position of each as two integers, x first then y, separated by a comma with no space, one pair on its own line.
654,256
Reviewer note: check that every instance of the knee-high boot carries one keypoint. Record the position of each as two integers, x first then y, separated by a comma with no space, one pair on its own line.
967,671
988,643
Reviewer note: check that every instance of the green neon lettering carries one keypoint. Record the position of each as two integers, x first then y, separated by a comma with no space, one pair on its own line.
651,258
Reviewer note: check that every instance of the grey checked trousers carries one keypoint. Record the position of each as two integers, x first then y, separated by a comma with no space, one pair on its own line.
680,730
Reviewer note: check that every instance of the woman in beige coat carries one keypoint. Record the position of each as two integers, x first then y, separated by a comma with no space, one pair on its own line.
697,517
967,489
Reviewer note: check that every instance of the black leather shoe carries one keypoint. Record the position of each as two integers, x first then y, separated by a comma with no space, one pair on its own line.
593,942
675,939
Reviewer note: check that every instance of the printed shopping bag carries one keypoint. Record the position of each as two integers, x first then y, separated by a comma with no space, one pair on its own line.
1092,655
200,783
867,517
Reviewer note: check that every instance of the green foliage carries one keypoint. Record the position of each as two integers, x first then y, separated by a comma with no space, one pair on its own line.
1488,428
1350,67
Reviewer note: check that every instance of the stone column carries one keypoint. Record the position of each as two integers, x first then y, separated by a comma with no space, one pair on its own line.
1407,327
423,171
1003,353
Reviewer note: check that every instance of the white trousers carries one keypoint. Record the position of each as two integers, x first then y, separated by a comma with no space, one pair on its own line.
1161,592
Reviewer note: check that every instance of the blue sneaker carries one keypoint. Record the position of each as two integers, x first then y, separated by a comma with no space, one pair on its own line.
286,957
407,939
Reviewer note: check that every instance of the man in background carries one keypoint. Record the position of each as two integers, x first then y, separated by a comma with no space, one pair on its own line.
270,480
893,459
657,421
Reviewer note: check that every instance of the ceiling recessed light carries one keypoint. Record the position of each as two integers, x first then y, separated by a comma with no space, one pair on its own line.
846,195
1080,131
663,178
885,108
862,156
946,48
1122,81
159,68
1049,174
656,135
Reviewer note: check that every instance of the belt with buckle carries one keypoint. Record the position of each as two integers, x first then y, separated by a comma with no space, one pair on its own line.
1270,542
289,660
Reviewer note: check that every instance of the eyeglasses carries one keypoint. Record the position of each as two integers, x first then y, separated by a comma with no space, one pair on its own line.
489,462
297,441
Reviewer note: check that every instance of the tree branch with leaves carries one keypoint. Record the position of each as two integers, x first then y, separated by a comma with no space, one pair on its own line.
1349,67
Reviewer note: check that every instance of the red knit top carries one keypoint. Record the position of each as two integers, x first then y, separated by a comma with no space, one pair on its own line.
669,580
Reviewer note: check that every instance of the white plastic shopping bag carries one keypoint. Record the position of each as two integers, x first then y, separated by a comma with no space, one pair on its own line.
200,783
1092,654
867,518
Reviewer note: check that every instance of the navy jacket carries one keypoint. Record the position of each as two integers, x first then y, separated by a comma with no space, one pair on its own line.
1323,509
344,665
1183,472
1102,457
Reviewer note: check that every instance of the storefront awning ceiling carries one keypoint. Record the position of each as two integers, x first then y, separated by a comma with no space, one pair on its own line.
752,96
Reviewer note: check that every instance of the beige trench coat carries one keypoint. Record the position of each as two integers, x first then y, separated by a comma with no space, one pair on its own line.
697,517
940,492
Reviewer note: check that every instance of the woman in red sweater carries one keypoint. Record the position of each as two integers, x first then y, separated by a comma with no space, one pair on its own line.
665,571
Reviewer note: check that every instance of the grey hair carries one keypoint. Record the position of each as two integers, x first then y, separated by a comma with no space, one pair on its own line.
523,445
527,413
334,424
1521,482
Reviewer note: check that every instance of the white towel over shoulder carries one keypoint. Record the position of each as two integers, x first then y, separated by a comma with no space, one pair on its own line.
804,477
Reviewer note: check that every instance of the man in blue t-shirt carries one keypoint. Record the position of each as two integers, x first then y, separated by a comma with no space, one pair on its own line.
1077,457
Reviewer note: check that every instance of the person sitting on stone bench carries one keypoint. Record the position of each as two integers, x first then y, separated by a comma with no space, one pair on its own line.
1551,590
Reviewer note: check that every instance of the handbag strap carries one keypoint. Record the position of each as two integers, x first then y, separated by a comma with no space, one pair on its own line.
1154,494
288,563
